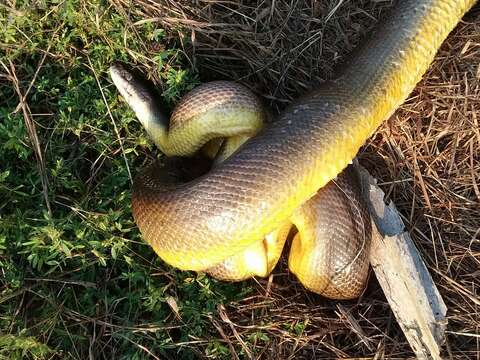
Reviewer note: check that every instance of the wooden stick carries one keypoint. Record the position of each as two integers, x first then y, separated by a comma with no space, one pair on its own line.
403,276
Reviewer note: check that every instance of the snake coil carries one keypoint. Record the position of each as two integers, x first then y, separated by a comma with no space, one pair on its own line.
275,176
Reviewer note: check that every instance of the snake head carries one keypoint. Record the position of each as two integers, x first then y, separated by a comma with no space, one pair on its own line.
142,100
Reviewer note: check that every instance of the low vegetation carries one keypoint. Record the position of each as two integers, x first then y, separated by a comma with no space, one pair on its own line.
76,279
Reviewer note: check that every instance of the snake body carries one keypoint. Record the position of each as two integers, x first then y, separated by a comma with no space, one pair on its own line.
274,175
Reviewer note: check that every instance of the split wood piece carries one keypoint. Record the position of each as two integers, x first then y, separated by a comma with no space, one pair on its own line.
403,276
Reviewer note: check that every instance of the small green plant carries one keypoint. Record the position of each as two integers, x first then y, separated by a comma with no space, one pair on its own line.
21,347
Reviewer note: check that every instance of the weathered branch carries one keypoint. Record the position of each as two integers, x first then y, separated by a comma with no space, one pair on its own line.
403,276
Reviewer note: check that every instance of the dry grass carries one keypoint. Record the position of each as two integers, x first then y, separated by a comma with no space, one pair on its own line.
427,158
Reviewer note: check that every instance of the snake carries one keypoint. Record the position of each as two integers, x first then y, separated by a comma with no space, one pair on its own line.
233,221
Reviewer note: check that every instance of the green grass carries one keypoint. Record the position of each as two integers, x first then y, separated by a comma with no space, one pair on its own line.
78,278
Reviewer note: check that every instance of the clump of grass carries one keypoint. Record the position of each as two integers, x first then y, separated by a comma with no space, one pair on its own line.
21,347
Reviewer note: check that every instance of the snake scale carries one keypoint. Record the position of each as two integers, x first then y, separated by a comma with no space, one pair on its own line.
266,179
